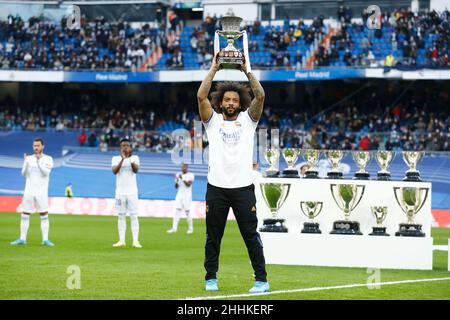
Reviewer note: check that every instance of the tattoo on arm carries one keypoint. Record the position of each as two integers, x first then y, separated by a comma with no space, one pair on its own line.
204,105
257,104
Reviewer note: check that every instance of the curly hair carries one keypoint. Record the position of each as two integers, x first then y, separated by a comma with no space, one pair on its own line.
222,87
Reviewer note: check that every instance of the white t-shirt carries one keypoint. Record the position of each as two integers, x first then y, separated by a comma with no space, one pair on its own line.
230,150
126,183
37,179
184,191
257,176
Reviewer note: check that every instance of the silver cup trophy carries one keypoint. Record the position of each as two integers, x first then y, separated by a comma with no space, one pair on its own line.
274,195
347,198
410,200
272,156
384,159
334,158
312,157
412,159
361,158
379,214
230,57
311,209
290,155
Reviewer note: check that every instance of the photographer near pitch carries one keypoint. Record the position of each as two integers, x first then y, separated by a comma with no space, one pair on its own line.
230,128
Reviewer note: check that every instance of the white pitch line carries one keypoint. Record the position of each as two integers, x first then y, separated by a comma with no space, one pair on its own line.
317,289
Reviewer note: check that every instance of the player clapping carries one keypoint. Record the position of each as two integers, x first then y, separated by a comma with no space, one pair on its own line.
36,169
183,182
125,167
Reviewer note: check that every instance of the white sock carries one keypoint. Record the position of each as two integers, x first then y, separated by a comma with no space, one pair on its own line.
176,219
135,227
122,224
189,221
24,225
45,226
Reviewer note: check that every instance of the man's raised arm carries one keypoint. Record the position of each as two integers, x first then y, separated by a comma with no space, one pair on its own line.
257,104
204,105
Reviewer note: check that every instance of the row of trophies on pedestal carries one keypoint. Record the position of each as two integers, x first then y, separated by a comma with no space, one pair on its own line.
361,158
347,197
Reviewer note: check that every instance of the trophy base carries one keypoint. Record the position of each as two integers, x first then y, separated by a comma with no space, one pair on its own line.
378,231
381,176
272,174
334,175
410,230
362,176
290,173
230,62
346,228
311,227
273,225
412,176
311,175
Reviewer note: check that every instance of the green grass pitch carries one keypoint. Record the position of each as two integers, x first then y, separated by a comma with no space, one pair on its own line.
171,266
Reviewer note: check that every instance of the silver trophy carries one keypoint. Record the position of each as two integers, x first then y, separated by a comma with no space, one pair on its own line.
347,198
412,159
272,156
410,200
312,159
230,57
311,209
334,158
361,159
380,215
290,155
384,159
274,195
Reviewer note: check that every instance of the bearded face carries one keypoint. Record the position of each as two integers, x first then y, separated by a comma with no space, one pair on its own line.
230,104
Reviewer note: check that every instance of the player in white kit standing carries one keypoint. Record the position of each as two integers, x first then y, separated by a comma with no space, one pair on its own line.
125,167
36,169
183,182
230,128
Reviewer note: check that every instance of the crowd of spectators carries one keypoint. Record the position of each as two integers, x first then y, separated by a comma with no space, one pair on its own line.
403,30
94,45
104,45
368,120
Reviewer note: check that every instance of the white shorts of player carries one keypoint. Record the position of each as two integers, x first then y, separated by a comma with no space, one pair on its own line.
127,204
183,203
31,203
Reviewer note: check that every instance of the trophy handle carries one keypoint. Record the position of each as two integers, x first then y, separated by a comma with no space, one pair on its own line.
247,56
361,188
216,43
424,199
339,204
399,197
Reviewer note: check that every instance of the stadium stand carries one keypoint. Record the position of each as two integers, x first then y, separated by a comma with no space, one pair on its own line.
412,39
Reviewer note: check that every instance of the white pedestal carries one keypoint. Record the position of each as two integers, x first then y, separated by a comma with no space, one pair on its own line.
295,248
348,251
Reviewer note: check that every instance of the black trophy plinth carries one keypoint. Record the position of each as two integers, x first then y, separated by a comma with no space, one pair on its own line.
346,227
362,176
311,227
272,174
311,175
290,173
334,175
413,176
273,225
383,176
410,230
378,231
